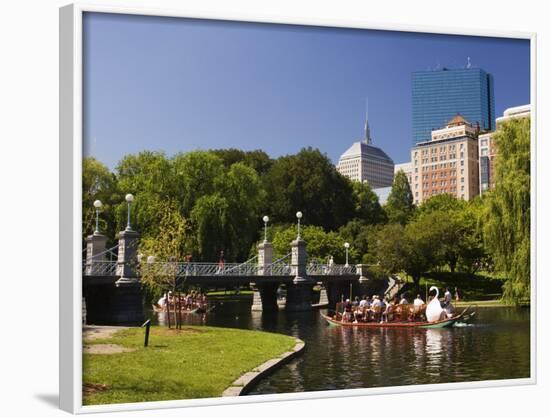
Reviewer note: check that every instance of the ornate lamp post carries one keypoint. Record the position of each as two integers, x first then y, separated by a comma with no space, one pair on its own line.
298,216
346,245
129,199
97,204
265,219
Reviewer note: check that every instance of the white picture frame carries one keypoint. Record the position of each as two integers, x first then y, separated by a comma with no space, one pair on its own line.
70,261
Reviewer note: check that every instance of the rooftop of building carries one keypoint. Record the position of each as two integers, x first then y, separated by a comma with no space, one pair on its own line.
458,120
511,111
447,69
362,148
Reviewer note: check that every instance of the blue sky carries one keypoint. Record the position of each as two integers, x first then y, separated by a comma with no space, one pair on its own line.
157,83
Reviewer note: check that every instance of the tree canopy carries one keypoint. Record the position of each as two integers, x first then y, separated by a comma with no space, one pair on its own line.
399,207
309,182
507,213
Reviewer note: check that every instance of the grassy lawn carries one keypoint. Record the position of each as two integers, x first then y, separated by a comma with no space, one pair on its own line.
195,362
230,292
471,287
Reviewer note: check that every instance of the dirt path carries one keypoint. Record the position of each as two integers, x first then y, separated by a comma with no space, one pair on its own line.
100,332
90,333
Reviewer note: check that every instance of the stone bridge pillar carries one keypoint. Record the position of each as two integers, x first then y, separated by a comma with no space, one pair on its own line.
128,241
265,294
128,305
95,244
265,258
299,292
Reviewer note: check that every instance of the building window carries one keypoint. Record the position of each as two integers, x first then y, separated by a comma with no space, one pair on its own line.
483,142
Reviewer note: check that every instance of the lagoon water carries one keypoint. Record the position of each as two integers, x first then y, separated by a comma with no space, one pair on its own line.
496,347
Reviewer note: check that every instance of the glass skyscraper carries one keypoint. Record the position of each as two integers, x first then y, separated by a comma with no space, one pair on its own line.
439,95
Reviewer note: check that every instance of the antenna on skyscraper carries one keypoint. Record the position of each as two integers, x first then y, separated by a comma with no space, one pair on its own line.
368,139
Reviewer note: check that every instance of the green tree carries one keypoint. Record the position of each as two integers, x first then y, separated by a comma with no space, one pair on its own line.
367,206
150,178
320,244
167,248
358,235
229,219
98,183
309,182
258,160
399,207
210,217
197,174
245,195
442,202
411,249
507,211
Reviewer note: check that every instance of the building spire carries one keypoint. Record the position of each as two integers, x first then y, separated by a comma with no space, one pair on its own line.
368,139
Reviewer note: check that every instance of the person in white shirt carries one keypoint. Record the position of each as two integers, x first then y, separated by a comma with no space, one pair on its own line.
447,298
418,301
403,300
376,302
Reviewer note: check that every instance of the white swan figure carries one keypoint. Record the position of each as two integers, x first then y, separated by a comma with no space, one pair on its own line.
434,312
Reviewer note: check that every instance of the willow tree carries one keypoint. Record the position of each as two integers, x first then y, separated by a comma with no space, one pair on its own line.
163,253
508,209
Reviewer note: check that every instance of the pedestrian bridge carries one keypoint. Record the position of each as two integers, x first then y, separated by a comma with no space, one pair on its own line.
112,277
227,273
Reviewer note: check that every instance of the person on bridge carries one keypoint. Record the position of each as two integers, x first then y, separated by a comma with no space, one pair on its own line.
330,263
221,263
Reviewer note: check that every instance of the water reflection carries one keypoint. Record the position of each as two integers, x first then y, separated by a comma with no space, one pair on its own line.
338,358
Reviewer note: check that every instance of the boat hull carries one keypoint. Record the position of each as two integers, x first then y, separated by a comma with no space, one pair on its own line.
399,325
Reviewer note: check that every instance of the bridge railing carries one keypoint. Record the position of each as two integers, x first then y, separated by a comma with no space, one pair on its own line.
100,268
200,268
108,268
316,269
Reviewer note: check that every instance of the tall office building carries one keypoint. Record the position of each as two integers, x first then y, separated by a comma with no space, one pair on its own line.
439,95
448,163
365,162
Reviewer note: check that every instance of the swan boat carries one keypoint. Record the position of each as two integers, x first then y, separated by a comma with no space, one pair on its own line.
435,314
196,310
448,322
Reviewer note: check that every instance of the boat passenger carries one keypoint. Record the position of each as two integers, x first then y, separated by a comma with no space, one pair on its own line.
347,311
447,298
388,312
418,301
403,300
418,308
376,307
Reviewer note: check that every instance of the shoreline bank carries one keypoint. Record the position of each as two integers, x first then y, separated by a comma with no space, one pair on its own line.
248,380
